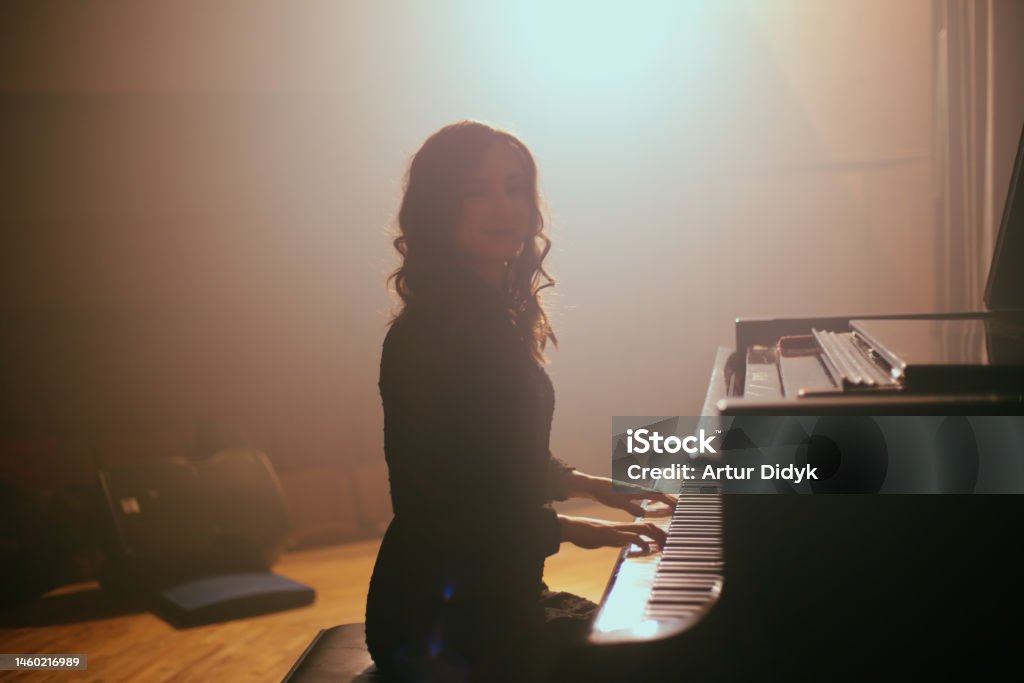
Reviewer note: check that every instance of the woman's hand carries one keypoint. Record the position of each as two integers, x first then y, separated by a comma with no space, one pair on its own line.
578,484
598,533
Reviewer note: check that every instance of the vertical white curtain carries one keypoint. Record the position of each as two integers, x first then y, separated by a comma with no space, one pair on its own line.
979,101
963,150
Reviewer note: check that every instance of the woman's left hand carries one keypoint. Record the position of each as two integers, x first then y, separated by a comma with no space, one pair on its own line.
600,489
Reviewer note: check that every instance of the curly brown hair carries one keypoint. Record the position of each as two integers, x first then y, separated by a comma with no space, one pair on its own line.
426,222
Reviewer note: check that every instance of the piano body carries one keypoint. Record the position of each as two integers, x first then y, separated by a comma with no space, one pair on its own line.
850,586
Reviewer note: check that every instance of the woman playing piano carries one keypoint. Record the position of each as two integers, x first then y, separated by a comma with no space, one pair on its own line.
457,591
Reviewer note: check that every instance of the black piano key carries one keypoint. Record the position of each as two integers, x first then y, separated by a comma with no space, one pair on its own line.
680,563
677,600
699,537
687,583
690,543
714,522
705,590
696,580
691,552
712,538
676,561
666,614
661,594
701,580
709,523
705,521
713,515
675,558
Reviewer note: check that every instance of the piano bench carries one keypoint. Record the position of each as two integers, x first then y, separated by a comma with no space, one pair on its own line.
338,655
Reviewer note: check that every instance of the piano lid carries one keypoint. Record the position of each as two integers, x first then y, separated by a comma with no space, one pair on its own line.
1005,287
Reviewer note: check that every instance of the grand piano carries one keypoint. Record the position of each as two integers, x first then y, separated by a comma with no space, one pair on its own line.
852,585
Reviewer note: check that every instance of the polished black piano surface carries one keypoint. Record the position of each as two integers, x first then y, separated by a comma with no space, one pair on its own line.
852,585
848,586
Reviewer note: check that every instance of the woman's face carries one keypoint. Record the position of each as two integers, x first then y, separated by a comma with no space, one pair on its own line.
495,208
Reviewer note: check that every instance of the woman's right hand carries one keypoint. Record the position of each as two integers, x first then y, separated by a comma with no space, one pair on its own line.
599,533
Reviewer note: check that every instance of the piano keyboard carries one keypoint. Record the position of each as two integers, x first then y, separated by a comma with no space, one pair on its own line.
657,595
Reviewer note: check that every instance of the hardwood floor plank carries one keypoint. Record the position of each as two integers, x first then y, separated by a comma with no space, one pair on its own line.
142,647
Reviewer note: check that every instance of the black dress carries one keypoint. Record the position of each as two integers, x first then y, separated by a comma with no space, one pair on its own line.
457,591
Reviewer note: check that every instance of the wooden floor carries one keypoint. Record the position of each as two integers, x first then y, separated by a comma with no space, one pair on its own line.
142,647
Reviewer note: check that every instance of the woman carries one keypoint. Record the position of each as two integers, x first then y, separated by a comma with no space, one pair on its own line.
457,591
